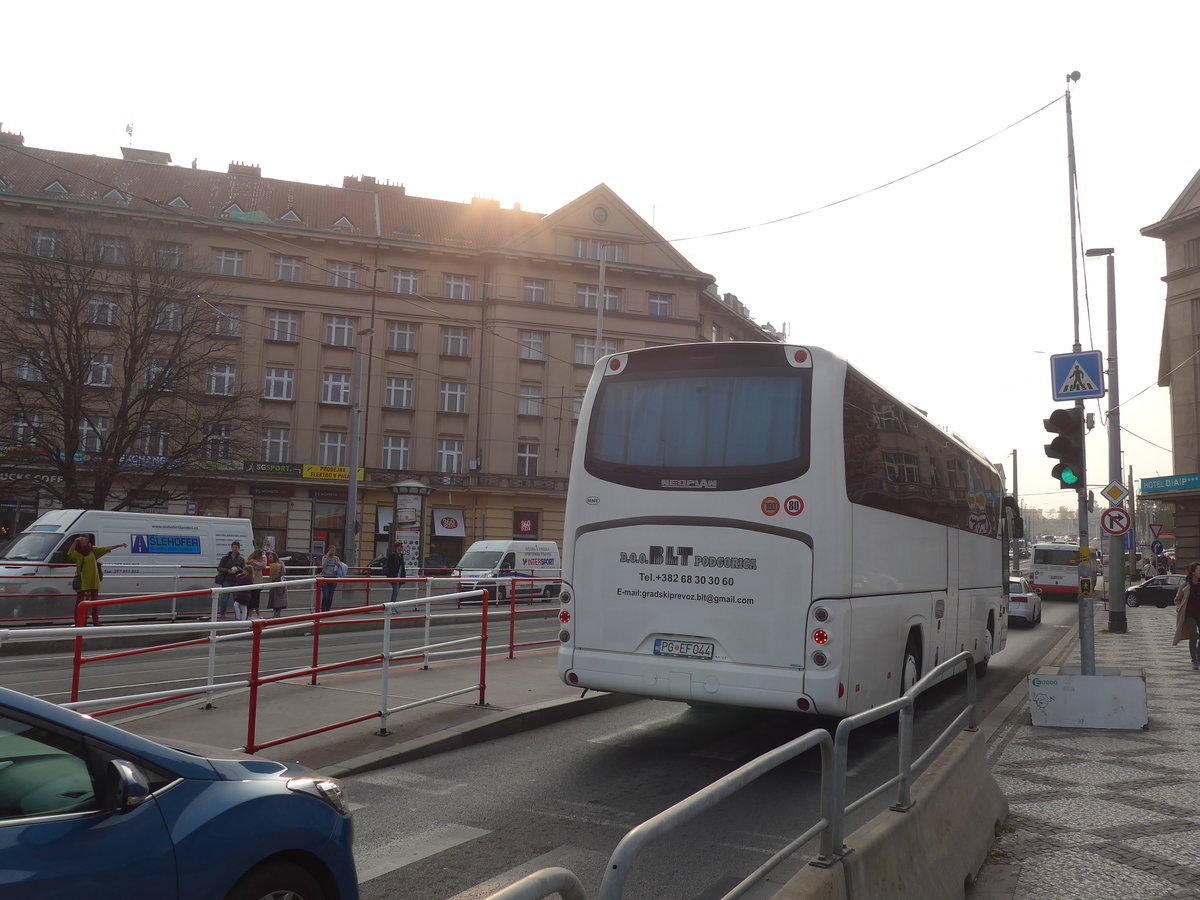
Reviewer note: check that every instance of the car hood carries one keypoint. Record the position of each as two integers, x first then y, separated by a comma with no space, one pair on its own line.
234,765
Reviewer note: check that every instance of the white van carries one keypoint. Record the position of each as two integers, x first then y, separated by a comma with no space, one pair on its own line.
488,565
165,554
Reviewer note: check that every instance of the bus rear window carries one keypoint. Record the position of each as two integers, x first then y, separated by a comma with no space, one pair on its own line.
1054,556
729,429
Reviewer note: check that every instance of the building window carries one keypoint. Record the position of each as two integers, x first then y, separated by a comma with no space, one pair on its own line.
406,281
229,262
586,352
534,291
343,275
454,397
586,296
169,256
589,249
39,304
455,341
335,388
168,315
527,459
530,401
660,305
100,370
449,456
92,432
278,384
395,452
901,468
458,287
402,337
533,345
287,268
283,326
45,242
32,366
276,445
155,440
25,429
398,393
331,451
110,249
217,442
157,374
339,331
227,321
102,309
220,380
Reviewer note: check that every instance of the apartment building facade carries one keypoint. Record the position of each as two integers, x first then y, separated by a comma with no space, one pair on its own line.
467,332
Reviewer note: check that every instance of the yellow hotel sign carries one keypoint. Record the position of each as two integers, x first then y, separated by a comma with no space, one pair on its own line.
331,473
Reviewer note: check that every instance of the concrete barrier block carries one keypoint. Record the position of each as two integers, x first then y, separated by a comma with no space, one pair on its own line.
929,852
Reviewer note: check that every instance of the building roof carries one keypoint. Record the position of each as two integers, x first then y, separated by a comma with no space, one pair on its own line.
361,206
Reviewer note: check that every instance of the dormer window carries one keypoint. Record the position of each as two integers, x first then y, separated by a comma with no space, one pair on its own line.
343,222
179,203
290,216
116,196
230,209
55,187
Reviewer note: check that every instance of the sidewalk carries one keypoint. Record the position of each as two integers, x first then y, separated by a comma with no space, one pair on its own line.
1103,814
522,693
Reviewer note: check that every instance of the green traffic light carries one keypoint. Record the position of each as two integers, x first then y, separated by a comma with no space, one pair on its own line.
1069,477
1066,475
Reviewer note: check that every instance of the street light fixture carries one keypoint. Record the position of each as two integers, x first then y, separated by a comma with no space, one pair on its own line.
350,544
1117,622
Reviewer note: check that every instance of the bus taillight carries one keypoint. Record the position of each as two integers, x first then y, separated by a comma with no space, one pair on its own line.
820,636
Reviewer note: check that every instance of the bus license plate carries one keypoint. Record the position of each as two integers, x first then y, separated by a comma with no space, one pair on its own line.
689,649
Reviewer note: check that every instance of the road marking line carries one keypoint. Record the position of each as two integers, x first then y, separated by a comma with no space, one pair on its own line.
412,781
405,851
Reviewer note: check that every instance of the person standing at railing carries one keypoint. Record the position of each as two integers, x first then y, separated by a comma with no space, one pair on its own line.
87,571
246,603
277,599
393,567
331,567
228,569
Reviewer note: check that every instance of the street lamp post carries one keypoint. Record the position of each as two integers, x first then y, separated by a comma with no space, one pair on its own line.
350,544
1117,622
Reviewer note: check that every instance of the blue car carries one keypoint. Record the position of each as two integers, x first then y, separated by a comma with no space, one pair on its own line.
90,810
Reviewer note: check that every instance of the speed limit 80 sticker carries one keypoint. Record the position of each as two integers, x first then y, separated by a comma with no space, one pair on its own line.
793,505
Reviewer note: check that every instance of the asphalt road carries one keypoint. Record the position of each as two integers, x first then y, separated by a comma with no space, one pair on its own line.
468,822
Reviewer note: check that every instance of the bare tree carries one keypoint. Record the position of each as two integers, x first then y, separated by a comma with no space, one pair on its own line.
119,375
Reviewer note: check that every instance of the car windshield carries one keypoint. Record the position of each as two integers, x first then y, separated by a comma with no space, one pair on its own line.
479,559
31,547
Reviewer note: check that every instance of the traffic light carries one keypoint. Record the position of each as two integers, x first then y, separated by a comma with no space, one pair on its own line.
1067,447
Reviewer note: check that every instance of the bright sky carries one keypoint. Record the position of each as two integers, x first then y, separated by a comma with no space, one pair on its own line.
951,288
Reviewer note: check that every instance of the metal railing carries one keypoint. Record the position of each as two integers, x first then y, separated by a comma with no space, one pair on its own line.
832,822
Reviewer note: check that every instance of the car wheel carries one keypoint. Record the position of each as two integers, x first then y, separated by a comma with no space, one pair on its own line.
1131,601
277,881
1163,605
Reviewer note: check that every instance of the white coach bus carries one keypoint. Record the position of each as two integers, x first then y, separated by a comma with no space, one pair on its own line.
759,524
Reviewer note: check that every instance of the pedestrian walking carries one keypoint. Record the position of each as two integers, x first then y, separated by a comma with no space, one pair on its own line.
393,567
1187,613
232,565
277,599
246,603
1148,570
331,567
86,582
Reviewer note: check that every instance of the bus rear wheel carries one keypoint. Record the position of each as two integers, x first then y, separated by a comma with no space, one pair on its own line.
910,668
981,667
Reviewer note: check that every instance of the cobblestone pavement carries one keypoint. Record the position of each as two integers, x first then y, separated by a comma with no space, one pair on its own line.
1099,814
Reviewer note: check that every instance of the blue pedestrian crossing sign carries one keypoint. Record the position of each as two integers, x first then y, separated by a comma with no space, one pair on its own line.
1077,376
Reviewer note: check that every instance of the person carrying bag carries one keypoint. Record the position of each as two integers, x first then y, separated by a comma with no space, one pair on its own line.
87,571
